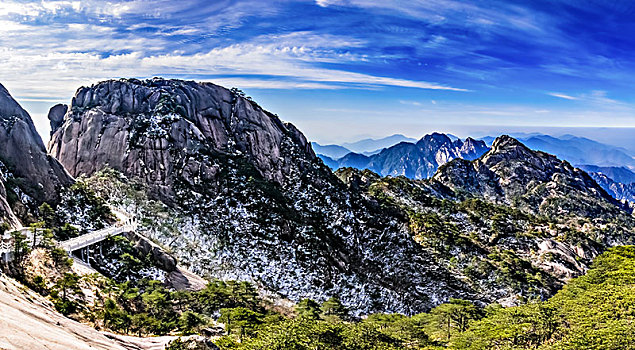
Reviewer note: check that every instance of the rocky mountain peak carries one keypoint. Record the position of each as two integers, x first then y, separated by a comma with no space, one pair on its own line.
506,149
506,141
434,140
56,116
512,173
417,160
160,129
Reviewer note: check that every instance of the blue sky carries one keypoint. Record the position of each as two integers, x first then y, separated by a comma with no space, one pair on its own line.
343,69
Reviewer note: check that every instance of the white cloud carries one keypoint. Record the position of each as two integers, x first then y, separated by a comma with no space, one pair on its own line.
292,61
561,95
595,96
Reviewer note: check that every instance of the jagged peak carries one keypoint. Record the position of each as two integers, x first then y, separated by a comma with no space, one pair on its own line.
506,141
436,137
470,141
506,148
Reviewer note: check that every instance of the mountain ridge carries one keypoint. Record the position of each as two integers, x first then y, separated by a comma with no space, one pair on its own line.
417,160
251,201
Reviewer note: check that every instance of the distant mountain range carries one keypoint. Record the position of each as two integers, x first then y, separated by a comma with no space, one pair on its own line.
331,151
365,147
619,174
415,160
610,166
621,191
373,145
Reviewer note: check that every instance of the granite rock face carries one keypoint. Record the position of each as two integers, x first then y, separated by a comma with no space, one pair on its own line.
6,213
160,129
33,175
620,191
56,116
250,199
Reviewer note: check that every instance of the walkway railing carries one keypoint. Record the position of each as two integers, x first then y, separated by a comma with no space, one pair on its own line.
76,243
91,238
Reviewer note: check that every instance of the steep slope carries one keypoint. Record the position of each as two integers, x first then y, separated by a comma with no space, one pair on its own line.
512,223
511,173
579,151
249,198
616,189
617,174
29,175
6,213
418,160
29,321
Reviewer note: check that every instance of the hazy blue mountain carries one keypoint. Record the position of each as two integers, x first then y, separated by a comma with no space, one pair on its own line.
370,145
330,162
331,151
354,160
579,150
415,160
453,137
617,174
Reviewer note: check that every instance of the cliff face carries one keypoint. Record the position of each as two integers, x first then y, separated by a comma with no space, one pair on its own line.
160,129
250,198
29,174
6,213
620,191
247,198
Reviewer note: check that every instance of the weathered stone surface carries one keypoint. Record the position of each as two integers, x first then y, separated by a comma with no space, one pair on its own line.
6,213
156,129
23,154
252,200
56,116
29,321
160,258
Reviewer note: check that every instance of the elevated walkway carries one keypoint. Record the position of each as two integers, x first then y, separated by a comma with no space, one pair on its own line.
127,223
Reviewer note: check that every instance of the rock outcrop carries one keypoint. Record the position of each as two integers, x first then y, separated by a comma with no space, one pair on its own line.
6,213
251,199
28,172
56,116
160,129
29,321
248,199
511,173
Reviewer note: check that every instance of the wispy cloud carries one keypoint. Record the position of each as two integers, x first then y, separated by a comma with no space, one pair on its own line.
401,53
599,97
563,96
